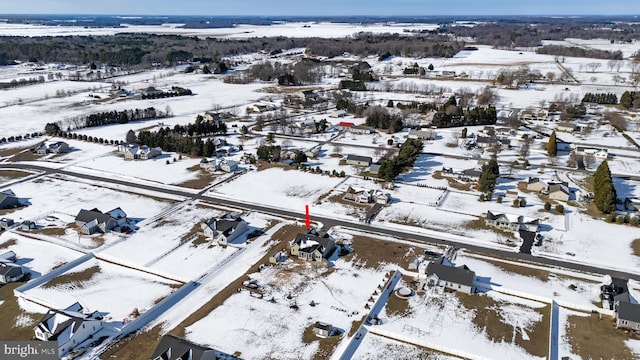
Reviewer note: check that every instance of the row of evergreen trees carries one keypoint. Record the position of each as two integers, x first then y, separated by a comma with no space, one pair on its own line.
409,151
122,117
175,91
185,138
601,98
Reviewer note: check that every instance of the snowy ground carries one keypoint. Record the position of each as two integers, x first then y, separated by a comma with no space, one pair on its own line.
38,257
339,297
105,291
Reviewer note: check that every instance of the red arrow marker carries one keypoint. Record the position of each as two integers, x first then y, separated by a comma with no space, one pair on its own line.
307,221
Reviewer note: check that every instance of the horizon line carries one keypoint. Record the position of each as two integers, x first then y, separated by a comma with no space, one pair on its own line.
324,16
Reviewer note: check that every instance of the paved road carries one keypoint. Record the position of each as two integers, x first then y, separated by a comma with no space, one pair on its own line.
331,222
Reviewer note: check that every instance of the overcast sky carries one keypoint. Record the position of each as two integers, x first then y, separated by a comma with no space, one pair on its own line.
324,7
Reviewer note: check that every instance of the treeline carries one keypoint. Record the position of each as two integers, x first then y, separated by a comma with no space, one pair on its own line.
21,82
201,127
579,52
175,91
380,118
178,140
351,107
409,151
122,117
601,98
144,49
518,32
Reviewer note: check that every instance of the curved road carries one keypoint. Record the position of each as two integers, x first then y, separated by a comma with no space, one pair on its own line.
330,222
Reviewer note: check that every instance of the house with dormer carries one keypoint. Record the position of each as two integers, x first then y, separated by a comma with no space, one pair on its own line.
93,221
313,248
70,327
225,229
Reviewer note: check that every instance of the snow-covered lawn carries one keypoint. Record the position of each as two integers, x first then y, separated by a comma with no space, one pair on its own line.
38,257
335,296
72,194
442,319
105,287
288,189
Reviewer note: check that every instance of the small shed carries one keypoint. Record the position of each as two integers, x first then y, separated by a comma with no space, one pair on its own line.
28,225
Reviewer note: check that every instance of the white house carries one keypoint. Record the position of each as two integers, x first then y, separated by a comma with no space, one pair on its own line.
511,221
143,152
228,166
70,327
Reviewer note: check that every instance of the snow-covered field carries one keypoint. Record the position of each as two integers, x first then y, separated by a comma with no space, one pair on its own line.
300,29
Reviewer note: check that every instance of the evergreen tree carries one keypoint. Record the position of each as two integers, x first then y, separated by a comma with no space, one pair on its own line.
131,137
603,189
490,173
625,100
552,145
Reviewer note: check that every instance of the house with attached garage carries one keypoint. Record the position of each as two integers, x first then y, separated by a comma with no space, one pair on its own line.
175,348
456,278
225,229
313,248
70,327
143,152
511,221
92,221
8,199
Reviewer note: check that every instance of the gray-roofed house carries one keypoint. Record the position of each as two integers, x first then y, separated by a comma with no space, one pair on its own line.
224,229
92,221
175,348
457,278
312,248
323,330
559,191
628,316
358,160
70,327
10,272
8,199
